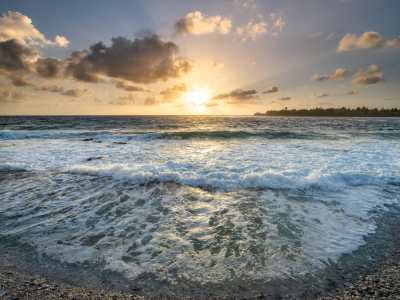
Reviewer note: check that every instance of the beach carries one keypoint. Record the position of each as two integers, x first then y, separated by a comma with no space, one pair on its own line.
223,207
380,283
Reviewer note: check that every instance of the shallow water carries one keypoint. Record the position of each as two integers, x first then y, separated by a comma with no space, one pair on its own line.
199,201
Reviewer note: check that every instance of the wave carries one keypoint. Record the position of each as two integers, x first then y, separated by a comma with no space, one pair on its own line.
192,135
183,135
231,181
241,135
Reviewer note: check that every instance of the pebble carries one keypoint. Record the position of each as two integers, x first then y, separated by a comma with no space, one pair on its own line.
383,283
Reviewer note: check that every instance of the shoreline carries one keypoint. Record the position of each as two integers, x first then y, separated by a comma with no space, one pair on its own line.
384,283
371,271
379,280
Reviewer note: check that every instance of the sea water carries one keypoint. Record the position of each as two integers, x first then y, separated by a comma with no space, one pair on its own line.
200,200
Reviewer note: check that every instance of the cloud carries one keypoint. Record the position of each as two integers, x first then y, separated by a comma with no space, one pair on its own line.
174,92
339,74
61,41
144,60
352,93
18,55
124,100
151,101
369,40
278,23
245,3
129,88
15,56
310,87
370,76
15,59
18,26
330,36
8,94
210,104
239,30
283,98
314,34
215,65
198,24
20,80
255,29
52,88
238,96
77,92
271,90
206,104
390,99
371,70
318,103
48,67
317,96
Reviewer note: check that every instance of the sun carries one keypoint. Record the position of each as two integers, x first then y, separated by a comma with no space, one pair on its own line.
198,96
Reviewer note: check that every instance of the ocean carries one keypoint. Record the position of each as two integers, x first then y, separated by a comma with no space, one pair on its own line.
257,203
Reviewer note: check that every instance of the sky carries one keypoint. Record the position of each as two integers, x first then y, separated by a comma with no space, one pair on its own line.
228,57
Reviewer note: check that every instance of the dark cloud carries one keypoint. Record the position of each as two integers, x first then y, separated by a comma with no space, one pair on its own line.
318,96
151,101
20,80
271,90
14,56
317,77
77,92
238,96
390,99
367,80
52,88
129,88
283,98
80,69
143,60
338,75
124,100
8,94
370,76
48,67
352,93
174,92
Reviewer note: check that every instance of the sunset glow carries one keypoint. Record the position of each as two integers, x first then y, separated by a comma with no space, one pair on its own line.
233,57
198,97
215,149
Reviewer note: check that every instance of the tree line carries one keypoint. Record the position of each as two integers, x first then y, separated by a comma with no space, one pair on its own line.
334,112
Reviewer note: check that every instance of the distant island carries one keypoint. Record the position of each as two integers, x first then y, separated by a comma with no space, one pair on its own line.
333,112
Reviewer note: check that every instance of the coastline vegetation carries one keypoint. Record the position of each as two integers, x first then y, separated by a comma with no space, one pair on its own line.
334,112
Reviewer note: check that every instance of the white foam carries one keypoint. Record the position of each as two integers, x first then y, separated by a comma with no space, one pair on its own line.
335,181
312,198
262,235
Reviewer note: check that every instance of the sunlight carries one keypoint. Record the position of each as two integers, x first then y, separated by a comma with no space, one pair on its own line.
198,97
